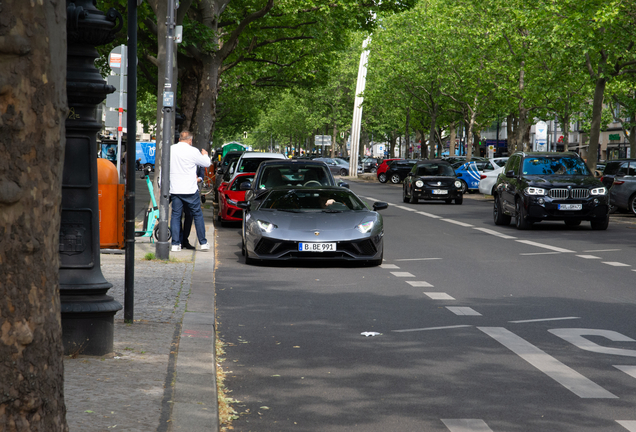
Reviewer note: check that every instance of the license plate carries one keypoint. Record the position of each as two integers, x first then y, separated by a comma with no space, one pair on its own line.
439,192
570,206
316,247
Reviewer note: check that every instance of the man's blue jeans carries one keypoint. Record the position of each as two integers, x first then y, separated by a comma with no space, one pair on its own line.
193,203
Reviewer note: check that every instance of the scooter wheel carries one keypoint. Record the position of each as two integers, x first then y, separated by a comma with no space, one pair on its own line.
157,233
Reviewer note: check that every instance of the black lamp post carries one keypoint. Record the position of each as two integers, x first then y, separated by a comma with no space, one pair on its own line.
87,312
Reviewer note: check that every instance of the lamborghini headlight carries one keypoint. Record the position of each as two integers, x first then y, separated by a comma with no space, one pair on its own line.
365,227
266,226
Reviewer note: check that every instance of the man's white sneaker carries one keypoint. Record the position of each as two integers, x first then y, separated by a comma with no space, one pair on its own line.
176,248
205,247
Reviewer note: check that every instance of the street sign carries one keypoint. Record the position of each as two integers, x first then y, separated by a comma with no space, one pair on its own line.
114,60
168,99
541,131
112,119
323,140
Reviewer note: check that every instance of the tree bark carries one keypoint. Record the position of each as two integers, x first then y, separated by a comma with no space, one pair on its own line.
33,108
595,126
453,137
511,141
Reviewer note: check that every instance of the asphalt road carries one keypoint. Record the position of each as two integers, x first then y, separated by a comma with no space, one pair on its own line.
481,328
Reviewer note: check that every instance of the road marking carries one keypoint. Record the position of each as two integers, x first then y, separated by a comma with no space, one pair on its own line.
464,224
576,336
616,264
429,215
602,250
401,207
463,311
431,328
402,274
389,266
495,233
543,319
540,253
564,375
439,296
371,198
629,370
544,246
417,259
630,425
588,256
419,284
466,425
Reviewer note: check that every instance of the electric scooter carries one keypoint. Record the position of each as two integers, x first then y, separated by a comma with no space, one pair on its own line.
152,214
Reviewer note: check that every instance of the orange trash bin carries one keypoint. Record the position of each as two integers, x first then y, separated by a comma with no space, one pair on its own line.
111,206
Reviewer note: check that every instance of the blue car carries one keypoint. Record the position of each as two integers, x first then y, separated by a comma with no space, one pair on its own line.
469,173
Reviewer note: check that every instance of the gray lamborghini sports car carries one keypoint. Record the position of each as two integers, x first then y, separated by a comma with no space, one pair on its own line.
329,223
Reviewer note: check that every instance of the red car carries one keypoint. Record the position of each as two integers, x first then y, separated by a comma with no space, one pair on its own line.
381,172
229,194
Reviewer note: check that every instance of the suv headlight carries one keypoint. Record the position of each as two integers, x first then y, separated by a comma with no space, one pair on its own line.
458,184
266,226
365,227
534,191
598,191
419,183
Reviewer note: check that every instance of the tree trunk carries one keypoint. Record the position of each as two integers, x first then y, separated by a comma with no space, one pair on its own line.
511,141
205,110
453,137
33,108
632,136
595,127
433,126
407,134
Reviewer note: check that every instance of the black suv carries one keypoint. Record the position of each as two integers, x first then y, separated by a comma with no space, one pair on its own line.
432,179
398,170
549,186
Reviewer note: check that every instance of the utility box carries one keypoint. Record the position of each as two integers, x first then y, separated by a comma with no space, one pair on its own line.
111,206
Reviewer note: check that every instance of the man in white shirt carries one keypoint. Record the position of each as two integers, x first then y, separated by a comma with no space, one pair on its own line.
184,160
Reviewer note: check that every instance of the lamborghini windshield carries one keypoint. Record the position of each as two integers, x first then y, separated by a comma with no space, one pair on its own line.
299,200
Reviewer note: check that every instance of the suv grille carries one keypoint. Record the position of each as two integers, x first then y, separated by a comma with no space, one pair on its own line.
569,193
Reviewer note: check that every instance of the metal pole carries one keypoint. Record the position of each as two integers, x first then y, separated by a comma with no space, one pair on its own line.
554,140
131,152
124,60
162,250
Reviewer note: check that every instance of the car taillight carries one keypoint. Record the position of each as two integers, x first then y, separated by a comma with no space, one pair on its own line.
483,176
619,182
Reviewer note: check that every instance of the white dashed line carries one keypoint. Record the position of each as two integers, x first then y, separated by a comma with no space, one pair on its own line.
564,375
601,250
630,425
540,253
463,311
417,259
402,274
543,319
616,264
429,215
419,284
464,224
588,257
466,425
389,266
439,296
431,328
629,370
544,246
495,233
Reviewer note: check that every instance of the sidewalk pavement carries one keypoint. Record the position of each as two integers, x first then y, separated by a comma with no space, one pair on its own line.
162,374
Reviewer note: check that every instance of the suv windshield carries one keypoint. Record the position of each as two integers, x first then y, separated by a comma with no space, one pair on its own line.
435,170
312,200
250,165
550,165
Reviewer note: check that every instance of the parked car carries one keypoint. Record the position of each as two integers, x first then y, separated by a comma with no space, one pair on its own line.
469,173
249,161
619,177
488,177
298,173
432,180
398,170
384,166
338,166
223,168
549,186
229,195
328,223
370,164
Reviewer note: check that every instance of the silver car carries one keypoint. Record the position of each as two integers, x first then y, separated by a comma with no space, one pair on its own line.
338,166
620,177
317,223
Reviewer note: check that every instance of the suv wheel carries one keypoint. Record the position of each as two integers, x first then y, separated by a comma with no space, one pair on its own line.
343,172
395,178
521,219
498,214
600,225
631,204
382,178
